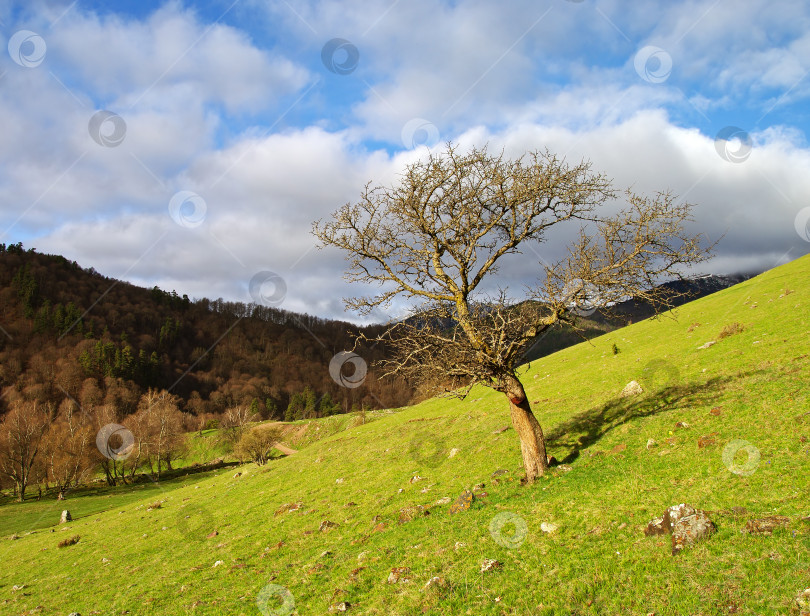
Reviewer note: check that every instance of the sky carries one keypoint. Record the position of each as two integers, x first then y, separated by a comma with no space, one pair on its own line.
191,145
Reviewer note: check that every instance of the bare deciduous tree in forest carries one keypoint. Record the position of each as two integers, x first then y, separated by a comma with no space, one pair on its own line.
437,237
21,434
67,448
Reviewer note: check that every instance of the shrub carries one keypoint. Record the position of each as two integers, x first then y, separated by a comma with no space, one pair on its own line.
257,443
730,330
67,542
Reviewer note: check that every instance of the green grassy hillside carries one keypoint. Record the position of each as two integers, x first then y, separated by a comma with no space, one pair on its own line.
751,385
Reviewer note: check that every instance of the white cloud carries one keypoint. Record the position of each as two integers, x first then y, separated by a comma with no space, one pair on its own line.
210,108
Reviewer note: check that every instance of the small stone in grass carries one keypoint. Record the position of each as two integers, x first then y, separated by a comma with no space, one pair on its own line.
436,582
766,526
463,502
399,575
490,565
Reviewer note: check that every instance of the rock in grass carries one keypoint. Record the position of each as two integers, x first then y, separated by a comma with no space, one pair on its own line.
66,517
490,565
436,583
632,389
656,526
686,524
289,507
399,575
675,513
463,502
691,529
411,512
651,443
343,606
548,527
803,602
766,526
707,345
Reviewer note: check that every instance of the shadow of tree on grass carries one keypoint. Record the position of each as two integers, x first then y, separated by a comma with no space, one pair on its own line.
586,428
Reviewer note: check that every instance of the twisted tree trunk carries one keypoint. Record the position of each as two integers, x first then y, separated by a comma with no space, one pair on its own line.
532,441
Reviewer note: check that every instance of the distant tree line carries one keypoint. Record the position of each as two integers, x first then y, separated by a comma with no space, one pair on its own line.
69,335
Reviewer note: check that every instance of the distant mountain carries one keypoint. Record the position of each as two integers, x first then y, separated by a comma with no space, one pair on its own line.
628,312
69,332
682,291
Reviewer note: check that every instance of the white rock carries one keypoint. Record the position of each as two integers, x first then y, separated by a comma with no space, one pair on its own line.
453,452
218,563
632,389
707,345
548,527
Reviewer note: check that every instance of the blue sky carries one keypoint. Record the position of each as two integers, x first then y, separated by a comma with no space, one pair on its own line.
236,107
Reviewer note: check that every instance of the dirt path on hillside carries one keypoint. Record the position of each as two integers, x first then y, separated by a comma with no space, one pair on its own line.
285,450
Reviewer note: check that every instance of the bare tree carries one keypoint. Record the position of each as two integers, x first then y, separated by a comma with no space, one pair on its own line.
113,460
438,236
21,434
158,430
235,421
67,448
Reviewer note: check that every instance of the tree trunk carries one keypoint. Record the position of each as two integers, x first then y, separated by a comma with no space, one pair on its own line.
532,441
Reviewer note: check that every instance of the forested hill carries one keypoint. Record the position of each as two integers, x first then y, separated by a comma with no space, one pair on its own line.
72,332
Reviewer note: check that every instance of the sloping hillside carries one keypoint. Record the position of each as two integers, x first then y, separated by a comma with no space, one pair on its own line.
331,524
69,331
